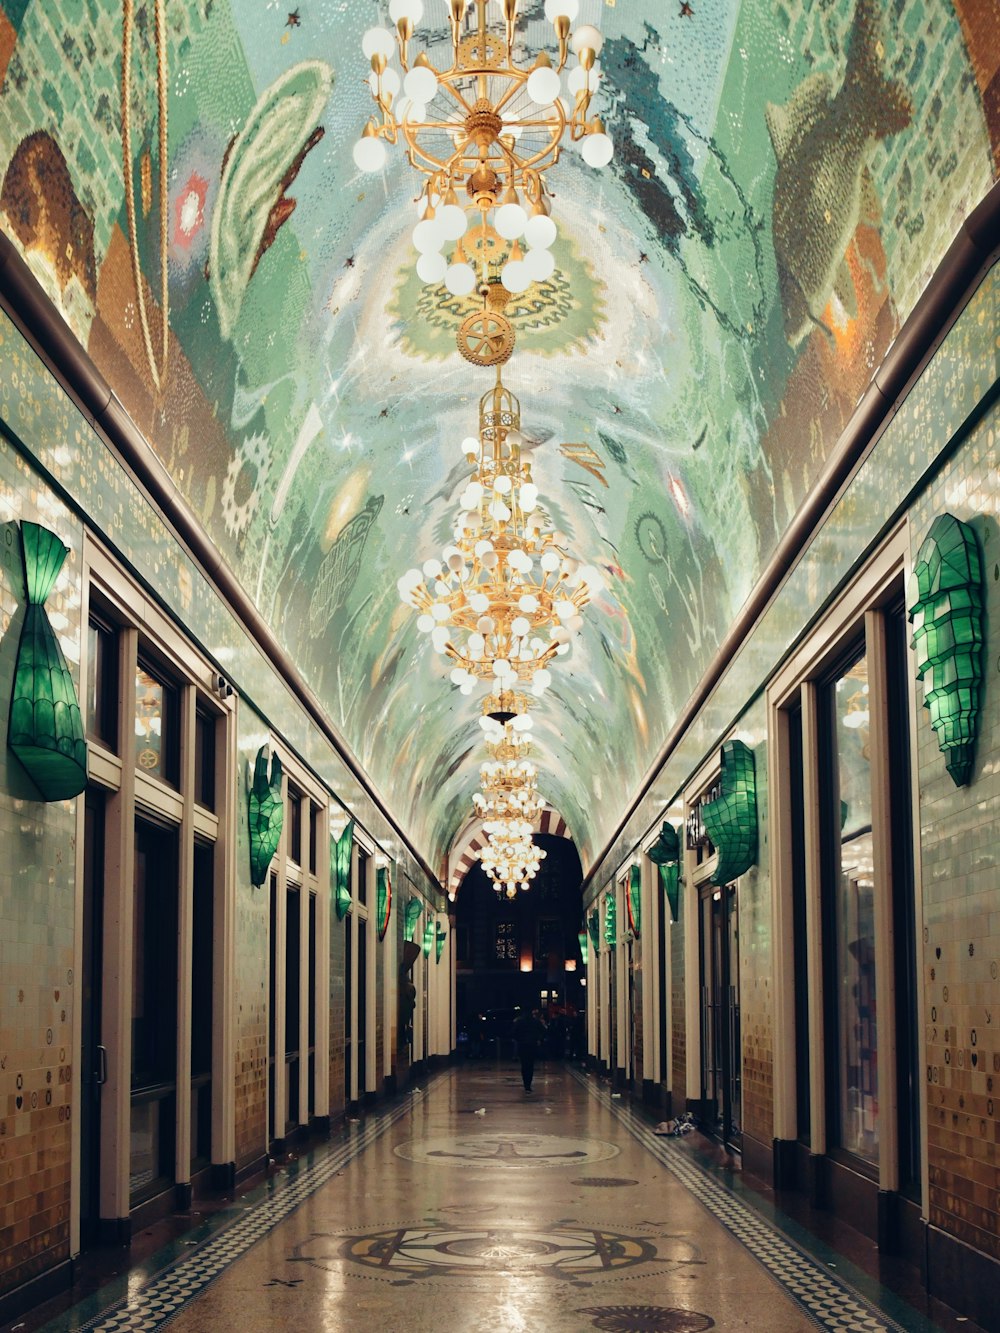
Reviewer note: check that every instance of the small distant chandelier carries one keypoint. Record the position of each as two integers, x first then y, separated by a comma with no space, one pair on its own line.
483,132
504,598
510,858
508,779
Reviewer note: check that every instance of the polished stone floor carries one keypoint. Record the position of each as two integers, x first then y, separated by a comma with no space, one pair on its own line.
470,1205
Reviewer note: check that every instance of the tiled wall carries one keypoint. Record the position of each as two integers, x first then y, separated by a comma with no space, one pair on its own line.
960,854
38,982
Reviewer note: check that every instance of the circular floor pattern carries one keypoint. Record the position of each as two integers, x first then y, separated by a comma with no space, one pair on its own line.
569,1253
507,1151
647,1319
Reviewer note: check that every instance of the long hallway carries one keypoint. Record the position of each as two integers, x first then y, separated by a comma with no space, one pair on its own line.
472,1202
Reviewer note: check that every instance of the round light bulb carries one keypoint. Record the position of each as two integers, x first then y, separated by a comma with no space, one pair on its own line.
543,678
431,268
503,484
544,85
514,276
425,624
420,84
470,445
406,9
460,279
540,232
510,221
390,82
414,112
369,154
549,562
539,265
519,627
597,150
586,37
556,9
453,220
378,42
428,236
528,603
485,624
528,496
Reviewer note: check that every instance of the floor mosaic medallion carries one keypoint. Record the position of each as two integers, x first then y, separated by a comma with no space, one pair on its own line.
494,1152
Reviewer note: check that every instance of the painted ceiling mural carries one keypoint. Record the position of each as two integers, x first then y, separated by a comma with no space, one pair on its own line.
786,177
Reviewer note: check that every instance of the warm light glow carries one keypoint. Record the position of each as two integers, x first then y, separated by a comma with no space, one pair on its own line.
484,132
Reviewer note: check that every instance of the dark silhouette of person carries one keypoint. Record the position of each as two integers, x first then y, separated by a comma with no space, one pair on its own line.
529,1033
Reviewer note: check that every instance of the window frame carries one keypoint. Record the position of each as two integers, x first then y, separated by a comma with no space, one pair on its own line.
860,610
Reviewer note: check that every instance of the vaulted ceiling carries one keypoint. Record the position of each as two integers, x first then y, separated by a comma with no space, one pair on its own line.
786,176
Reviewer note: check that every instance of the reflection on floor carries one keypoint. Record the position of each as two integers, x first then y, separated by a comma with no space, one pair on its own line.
471,1201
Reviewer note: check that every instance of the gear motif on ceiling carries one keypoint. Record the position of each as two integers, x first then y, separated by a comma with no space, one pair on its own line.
651,537
243,483
486,338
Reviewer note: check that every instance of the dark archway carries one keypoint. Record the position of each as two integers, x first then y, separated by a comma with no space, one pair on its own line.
520,954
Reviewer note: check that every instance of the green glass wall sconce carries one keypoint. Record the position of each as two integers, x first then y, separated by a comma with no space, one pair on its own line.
610,920
439,939
583,942
266,814
945,605
45,729
383,900
665,853
594,926
731,821
430,934
411,916
633,900
342,849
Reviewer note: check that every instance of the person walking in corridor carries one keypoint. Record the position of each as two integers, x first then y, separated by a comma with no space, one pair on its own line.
529,1033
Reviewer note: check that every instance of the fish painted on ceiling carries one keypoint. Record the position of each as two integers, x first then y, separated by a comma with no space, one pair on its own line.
259,166
823,142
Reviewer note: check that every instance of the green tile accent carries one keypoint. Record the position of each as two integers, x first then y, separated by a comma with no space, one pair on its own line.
340,862
266,815
45,729
731,821
945,603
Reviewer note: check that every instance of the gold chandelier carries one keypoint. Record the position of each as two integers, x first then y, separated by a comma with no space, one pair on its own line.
511,859
483,132
504,582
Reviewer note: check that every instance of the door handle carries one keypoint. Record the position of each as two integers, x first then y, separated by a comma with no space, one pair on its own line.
102,1065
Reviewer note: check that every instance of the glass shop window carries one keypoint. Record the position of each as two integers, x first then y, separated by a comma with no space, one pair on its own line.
157,731
363,859
204,759
102,682
294,824
315,825
849,910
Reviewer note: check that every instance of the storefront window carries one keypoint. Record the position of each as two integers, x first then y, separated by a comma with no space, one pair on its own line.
853,918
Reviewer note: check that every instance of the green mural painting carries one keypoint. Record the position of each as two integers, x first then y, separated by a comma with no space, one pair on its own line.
785,178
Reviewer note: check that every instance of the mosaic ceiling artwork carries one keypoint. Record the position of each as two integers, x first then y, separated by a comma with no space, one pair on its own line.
786,177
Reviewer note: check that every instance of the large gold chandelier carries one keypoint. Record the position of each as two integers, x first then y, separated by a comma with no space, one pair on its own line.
504,598
483,132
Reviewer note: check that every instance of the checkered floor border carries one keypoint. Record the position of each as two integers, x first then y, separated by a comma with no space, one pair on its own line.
825,1298
166,1294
